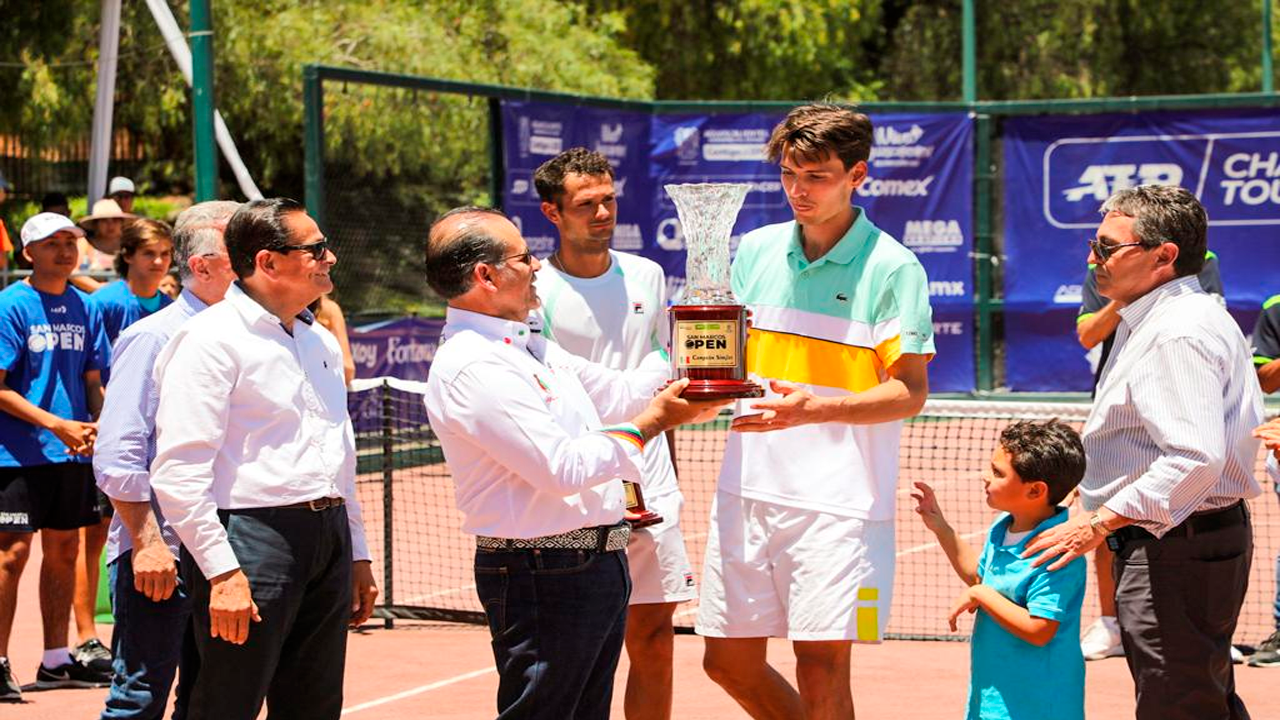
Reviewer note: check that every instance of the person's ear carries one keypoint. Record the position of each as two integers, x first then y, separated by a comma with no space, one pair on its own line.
1167,253
1037,490
265,261
858,174
551,211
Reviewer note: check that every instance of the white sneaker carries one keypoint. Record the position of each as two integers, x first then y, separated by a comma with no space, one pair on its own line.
1102,639
1237,657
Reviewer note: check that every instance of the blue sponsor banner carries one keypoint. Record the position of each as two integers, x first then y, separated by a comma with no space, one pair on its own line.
919,190
401,348
1058,171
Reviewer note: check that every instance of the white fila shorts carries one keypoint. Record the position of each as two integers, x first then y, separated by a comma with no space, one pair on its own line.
660,569
777,571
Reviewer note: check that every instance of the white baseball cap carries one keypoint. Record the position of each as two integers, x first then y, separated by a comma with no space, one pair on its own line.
120,184
46,225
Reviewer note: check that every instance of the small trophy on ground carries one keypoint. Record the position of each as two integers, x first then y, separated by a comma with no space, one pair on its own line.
709,326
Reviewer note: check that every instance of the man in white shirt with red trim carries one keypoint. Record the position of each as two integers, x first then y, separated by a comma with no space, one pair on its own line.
610,307
537,471
255,472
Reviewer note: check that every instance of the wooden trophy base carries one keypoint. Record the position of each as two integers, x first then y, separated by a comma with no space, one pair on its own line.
721,390
709,347
636,513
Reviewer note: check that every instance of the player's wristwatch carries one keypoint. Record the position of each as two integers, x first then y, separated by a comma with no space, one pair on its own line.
1098,525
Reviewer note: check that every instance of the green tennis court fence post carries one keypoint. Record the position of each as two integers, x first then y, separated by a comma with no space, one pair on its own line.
983,179
313,142
497,177
388,477
102,608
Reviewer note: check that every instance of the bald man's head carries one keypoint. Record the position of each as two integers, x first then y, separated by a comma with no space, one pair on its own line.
459,240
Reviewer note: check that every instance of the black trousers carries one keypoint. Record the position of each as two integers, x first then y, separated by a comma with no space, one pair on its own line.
299,567
1178,600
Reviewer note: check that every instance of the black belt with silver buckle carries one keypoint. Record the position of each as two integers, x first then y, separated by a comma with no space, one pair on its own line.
316,505
1199,523
599,538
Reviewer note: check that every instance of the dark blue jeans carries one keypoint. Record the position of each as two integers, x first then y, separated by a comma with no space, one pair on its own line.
147,642
557,619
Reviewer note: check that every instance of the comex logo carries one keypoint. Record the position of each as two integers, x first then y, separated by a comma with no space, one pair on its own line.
1069,295
1100,181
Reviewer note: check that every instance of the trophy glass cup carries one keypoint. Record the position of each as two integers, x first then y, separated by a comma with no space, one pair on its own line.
709,326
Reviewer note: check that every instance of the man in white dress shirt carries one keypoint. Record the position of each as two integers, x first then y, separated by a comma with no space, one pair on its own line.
538,473
610,307
255,472
1170,459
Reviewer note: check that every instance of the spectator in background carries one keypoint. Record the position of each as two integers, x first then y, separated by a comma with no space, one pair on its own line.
1096,329
55,202
146,251
329,314
150,602
1266,360
6,245
171,286
52,349
121,190
104,228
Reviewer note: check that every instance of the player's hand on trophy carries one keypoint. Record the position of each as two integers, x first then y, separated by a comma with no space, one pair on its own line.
668,410
794,407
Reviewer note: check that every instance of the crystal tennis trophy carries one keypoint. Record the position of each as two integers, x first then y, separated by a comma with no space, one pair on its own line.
709,326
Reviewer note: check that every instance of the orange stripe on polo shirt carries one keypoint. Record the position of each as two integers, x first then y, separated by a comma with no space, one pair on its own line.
799,359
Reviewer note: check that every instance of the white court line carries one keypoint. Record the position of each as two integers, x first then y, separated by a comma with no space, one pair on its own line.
416,691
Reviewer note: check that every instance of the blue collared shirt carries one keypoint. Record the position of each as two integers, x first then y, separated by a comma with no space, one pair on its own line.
1011,678
126,442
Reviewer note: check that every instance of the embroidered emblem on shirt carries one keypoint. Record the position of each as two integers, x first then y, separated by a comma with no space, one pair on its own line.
842,297
637,308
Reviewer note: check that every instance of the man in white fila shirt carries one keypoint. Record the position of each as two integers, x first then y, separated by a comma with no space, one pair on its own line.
609,307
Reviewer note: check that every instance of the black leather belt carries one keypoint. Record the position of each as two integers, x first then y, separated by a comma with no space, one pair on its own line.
598,538
1199,523
315,505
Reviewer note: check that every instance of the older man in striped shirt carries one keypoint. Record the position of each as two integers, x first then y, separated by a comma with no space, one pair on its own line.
1170,459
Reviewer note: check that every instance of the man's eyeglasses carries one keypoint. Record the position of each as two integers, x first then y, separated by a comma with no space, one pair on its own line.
317,250
525,257
1104,251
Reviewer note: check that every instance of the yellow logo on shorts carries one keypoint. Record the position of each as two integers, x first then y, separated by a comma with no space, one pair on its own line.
868,616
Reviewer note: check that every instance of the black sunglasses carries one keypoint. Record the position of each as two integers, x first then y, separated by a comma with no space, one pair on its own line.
525,257
1105,251
317,250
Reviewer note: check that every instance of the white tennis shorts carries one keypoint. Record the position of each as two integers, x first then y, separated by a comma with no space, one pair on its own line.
660,569
777,571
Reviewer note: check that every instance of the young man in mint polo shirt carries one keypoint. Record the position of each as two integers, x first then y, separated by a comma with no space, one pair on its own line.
1025,655
801,544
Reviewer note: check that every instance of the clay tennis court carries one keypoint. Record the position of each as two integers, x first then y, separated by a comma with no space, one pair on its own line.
444,670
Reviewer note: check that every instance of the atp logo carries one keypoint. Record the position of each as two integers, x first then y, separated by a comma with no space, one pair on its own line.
1098,182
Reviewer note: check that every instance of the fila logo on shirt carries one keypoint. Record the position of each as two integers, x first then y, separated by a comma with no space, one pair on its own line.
637,308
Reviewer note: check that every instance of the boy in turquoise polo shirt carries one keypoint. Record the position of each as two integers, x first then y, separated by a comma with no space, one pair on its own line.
1025,653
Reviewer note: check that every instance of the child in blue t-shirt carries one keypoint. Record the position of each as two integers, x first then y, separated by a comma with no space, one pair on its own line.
1025,652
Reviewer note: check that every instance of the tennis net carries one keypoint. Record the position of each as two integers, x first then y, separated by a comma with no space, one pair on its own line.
425,560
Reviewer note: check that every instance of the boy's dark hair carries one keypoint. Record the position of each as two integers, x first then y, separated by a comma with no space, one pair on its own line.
1049,452
258,225
813,133
136,234
549,177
